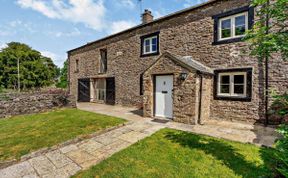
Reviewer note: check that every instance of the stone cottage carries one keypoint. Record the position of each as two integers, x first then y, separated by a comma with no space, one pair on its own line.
188,66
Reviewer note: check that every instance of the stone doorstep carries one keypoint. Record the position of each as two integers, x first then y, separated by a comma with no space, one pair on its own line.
42,151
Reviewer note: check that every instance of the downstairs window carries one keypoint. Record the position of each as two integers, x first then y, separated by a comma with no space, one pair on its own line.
233,84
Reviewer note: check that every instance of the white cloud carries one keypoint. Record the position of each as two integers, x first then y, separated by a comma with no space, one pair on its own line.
5,32
40,6
15,23
75,32
120,26
89,12
3,46
57,59
127,3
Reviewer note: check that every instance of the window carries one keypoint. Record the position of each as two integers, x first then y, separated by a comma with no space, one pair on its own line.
233,84
103,61
150,44
99,89
77,65
231,26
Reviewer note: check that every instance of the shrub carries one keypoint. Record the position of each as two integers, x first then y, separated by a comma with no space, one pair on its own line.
282,103
279,107
281,153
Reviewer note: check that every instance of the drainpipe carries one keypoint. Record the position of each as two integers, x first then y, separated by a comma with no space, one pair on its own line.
200,98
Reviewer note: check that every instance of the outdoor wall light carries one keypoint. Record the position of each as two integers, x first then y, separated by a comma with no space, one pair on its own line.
183,76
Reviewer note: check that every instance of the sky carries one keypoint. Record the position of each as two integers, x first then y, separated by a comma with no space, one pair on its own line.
54,27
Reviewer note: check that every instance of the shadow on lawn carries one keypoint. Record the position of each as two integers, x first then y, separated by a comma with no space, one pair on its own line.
226,153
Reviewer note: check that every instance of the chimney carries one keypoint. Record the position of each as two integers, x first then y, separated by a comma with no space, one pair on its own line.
147,16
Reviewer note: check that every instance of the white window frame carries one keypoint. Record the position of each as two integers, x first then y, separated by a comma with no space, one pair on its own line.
231,84
150,42
232,18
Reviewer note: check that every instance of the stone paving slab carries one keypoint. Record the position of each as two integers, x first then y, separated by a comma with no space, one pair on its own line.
58,158
18,170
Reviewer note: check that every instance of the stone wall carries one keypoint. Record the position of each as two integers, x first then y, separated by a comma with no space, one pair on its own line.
185,92
33,102
189,33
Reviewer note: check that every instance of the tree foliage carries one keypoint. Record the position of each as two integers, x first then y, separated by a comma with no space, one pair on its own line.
35,70
266,40
63,83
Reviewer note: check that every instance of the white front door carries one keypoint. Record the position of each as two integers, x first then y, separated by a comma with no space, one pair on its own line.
163,96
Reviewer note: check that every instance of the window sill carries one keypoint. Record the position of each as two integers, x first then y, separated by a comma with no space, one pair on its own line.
233,98
231,40
150,54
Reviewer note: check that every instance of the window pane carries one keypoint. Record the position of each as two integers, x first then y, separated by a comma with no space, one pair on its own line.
226,24
239,79
240,30
239,89
225,89
147,42
147,49
226,33
225,79
154,48
154,41
240,21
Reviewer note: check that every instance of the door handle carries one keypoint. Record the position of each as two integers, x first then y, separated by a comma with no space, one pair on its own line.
164,92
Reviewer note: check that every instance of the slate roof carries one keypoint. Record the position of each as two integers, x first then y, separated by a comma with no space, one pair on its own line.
189,62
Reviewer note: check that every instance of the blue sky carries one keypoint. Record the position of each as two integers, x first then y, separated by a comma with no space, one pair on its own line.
55,26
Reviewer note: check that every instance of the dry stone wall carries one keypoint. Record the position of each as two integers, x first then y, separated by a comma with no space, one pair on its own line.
33,102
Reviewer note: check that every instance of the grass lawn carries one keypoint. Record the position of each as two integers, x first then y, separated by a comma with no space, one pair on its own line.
20,135
171,153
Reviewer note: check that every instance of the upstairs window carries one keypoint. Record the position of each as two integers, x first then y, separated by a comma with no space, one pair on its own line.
103,61
77,65
231,26
150,44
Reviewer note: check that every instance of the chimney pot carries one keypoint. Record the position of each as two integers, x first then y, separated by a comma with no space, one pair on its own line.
147,16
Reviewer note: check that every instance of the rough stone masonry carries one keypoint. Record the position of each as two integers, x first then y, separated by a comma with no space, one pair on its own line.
188,33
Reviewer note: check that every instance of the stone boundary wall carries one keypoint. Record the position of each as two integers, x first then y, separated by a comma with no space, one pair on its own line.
12,104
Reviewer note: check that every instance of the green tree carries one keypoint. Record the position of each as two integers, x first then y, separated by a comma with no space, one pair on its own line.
270,31
269,35
63,83
35,70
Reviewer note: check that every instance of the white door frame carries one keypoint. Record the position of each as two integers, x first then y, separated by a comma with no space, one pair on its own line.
165,97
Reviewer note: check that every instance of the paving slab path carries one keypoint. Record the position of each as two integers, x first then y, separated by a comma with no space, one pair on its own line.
68,160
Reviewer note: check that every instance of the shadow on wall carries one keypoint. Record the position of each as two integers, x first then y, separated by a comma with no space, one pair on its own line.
227,153
138,112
